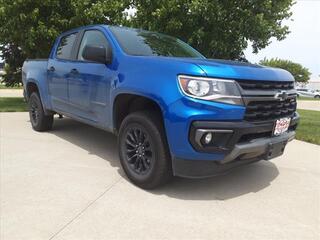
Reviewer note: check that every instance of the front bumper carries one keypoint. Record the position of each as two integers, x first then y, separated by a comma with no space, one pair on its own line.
226,134
246,143
243,153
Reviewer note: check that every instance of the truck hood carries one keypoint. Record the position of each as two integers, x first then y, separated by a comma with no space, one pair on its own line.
240,70
235,69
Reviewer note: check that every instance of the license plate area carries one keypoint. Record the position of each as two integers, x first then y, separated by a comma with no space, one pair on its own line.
281,126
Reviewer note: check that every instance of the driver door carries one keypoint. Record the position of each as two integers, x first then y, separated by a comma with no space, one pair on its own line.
89,87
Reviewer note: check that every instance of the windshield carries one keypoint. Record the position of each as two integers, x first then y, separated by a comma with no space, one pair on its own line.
144,43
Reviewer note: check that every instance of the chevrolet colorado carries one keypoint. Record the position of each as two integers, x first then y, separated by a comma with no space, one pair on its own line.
175,112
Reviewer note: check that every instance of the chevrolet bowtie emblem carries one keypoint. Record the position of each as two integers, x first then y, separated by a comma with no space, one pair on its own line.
283,95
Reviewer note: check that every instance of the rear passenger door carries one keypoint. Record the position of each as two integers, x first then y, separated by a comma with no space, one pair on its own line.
59,72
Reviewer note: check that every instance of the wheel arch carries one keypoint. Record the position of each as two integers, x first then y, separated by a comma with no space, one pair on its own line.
31,87
126,103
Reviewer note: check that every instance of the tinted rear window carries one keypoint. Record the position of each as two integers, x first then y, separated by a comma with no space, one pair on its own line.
64,49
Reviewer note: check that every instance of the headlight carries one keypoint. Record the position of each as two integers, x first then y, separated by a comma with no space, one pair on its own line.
211,89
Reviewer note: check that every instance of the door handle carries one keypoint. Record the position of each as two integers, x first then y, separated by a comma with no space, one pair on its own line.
74,71
52,69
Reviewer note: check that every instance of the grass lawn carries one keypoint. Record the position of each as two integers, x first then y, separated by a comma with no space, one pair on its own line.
12,104
308,99
308,129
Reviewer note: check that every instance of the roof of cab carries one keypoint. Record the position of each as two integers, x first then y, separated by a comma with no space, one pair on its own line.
83,27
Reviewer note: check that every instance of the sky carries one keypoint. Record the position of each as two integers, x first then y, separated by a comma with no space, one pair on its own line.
302,45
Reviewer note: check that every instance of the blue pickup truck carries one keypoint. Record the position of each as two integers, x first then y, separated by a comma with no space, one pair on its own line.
175,112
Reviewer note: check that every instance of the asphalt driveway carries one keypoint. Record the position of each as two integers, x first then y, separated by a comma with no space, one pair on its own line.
67,184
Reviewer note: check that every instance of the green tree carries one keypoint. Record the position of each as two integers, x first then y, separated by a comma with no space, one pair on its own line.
28,27
218,29
300,73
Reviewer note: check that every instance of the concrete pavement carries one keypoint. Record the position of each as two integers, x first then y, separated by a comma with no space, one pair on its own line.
68,184
309,105
11,93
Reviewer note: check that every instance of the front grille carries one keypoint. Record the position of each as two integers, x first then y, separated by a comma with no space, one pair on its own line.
269,110
266,85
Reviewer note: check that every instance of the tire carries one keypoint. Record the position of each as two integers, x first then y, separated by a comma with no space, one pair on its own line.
143,150
39,120
317,96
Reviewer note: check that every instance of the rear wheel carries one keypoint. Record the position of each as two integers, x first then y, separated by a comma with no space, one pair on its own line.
143,150
39,120
317,96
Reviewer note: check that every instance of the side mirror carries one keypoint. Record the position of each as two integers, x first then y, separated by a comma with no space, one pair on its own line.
97,54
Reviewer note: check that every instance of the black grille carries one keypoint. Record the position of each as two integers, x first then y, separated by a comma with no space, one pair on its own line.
269,110
251,136
266,85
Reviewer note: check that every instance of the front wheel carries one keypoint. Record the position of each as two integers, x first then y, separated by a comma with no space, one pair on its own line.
143,150
39,120
317,96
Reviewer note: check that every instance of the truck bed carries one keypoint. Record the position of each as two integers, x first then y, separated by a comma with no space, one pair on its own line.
35,68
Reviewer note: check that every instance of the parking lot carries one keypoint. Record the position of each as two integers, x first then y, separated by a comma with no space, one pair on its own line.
68,184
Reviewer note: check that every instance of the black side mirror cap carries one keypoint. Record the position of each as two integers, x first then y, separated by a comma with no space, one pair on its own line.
97,54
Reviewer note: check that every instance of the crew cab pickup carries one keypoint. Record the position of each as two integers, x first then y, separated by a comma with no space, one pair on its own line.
175,112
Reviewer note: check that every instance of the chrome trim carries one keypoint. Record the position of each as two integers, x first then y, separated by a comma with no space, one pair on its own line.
266,92
248,99
205,78
215,97
264,95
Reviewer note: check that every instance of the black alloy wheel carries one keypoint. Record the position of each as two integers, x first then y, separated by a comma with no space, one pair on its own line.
143,150
38,118
34,111
139,151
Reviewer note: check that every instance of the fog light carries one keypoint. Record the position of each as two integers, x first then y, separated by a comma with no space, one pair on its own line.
208,138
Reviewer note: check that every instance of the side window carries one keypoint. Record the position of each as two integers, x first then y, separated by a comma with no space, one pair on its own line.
65,46
94,38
